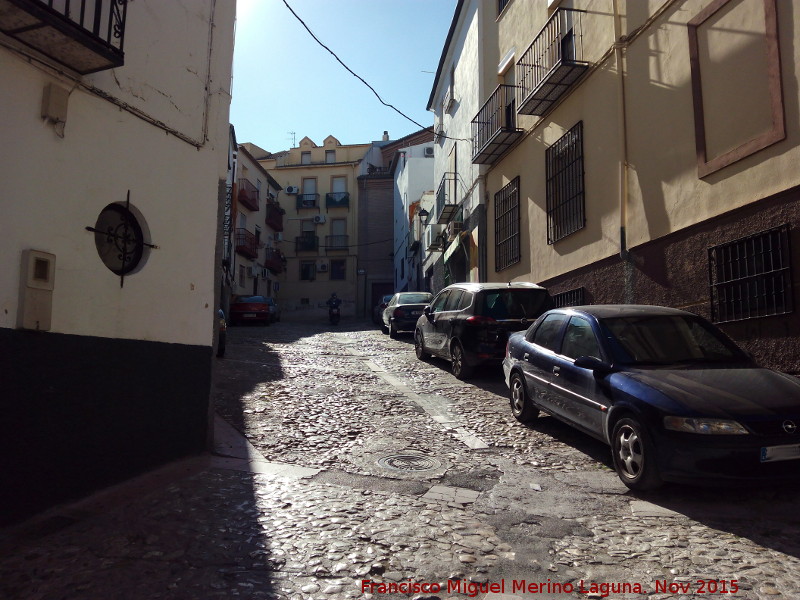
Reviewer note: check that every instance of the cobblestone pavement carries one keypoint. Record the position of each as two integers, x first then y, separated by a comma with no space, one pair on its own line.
364,464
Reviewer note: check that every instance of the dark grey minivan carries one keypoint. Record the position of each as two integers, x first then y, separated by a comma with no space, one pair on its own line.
469,323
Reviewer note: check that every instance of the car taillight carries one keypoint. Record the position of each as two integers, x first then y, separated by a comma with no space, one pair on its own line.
480,320
399,313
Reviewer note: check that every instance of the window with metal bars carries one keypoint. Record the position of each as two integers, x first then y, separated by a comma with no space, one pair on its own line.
576,297
506,226
565,193
751,277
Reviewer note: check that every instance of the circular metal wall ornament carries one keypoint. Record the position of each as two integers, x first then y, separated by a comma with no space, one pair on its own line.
409,462
119,234
119,239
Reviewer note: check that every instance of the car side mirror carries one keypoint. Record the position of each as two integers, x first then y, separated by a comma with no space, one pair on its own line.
428,312
595,364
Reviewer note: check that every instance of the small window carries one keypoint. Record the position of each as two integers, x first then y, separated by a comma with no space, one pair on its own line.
579,339
565,193
439,301
338,269
576,297
751,277
330,156
547,334
308,270
454,301
465,302
506,226
305,158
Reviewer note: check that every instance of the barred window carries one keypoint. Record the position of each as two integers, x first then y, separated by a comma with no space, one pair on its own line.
576,297
506,226
565,193
751,277
308,270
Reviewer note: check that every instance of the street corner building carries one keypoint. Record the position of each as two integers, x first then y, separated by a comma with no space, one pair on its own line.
115,133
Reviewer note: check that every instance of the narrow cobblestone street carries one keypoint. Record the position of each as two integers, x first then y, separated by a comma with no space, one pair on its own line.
363,466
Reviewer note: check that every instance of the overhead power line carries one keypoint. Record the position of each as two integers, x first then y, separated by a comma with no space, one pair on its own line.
362,80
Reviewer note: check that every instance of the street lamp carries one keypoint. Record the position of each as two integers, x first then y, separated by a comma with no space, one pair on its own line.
422,214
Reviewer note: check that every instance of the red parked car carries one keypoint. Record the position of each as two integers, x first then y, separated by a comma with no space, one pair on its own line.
250,309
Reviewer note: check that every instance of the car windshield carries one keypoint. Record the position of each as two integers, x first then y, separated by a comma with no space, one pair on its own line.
420,298
250,299
667,339
514,304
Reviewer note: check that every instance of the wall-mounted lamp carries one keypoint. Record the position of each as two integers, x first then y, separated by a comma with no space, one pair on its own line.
422,214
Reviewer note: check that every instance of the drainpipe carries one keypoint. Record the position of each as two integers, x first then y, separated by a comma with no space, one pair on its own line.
620,44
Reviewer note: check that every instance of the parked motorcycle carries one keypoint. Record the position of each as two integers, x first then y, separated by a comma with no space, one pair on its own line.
333,315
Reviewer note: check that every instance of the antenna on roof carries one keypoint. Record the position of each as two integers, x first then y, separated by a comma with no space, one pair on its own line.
294,138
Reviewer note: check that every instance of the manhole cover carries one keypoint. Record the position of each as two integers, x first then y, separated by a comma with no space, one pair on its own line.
409,462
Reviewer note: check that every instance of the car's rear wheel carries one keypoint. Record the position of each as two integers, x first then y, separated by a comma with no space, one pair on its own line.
419,346
392,330
522,408
633,454
460,368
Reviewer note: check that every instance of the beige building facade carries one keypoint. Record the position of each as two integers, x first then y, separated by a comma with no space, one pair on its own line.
642,152
320,236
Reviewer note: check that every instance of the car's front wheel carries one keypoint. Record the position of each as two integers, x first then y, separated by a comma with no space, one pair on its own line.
392,330
419,346
521,406
634,456
460,368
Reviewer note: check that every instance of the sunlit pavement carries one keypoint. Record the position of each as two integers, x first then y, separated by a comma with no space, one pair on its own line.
367,473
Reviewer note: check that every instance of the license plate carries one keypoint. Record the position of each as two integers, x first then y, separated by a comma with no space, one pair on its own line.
249,315
775,453
416,313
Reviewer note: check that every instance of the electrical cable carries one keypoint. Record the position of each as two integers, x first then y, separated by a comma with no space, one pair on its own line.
362,80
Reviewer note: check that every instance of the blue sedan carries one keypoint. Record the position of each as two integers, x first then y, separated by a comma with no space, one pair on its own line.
674,397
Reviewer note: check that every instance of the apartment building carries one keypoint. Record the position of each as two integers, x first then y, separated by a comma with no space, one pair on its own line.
257,218
320,235
115,124
642,152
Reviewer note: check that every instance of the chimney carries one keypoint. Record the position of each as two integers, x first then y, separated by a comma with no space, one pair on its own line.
385,136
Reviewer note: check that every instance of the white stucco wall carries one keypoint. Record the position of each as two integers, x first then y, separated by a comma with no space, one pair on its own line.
53,187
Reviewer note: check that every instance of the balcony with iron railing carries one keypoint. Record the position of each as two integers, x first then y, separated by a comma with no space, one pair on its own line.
307,201
274,217
246,243
337,199
552,63
413,242
306,243
336,243
248,195
494,128
84,35
274,260
446,198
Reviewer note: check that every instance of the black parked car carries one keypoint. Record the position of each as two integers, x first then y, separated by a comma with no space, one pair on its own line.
674,398
402,311
469,323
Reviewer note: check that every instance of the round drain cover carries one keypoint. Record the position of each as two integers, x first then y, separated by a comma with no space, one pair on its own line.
409,462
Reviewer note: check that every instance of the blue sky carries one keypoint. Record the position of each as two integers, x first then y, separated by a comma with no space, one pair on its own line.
284,81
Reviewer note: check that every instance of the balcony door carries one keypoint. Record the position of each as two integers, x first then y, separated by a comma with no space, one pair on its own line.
339,233
309,192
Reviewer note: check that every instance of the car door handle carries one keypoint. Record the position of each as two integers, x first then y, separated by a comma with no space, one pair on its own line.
556,370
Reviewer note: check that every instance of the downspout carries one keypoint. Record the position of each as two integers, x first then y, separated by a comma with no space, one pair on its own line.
620,44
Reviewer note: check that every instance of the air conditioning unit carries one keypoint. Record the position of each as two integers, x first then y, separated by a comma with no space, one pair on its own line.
292,189
322,267
428,151
279,236
453,229
252,271
433,237
319,219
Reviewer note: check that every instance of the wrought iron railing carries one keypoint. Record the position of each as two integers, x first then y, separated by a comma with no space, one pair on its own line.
307,201
337,199
446,197
558,44
248,194
273,260
497,114
336,242
274,217
86,35
306,243
246,243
